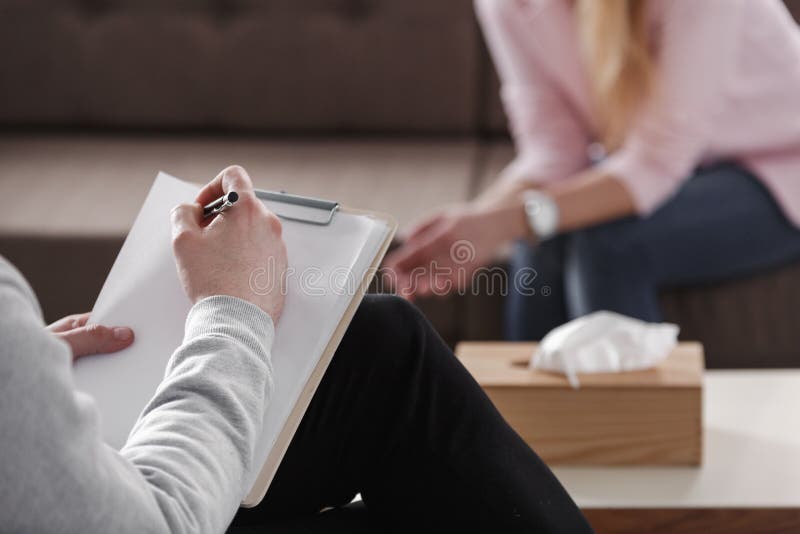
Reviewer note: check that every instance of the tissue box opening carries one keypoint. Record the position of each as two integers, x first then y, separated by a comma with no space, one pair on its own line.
651,417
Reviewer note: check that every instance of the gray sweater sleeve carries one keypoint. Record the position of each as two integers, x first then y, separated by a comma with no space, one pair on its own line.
183,466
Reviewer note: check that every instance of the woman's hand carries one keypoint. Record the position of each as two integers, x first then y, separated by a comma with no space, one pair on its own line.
238,253
441,253
86,339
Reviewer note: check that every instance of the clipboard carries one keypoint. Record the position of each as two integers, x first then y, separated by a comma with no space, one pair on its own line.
327,211
144,272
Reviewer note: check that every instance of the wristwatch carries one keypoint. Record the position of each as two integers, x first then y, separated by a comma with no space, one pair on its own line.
542,213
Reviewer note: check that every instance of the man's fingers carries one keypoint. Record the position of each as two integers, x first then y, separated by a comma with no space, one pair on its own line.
211,191
97,339
186,219
69,322
233,178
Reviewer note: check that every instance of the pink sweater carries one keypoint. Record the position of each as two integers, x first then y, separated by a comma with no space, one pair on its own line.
729,75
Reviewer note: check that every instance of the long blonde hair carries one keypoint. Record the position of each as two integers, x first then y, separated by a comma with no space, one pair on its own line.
615,45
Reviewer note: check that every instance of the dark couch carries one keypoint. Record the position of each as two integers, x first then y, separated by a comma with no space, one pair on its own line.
385,104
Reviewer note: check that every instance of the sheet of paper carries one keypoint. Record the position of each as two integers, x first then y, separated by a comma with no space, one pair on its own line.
143,292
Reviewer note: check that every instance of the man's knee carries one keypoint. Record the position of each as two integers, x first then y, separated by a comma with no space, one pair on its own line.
385,312
385,331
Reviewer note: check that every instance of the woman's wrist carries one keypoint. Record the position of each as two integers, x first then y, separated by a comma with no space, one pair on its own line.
506,206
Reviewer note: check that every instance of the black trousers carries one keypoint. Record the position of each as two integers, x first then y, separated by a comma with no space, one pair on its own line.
398,419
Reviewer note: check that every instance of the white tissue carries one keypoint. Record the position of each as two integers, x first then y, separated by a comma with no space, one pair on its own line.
604,342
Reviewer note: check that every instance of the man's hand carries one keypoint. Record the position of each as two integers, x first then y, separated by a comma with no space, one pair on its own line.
86,339
238,253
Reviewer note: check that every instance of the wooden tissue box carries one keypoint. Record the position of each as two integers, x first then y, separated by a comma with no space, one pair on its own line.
651,417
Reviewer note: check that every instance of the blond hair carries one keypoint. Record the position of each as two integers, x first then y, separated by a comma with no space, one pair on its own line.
615,44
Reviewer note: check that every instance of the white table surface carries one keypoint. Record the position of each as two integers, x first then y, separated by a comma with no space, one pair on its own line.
751,453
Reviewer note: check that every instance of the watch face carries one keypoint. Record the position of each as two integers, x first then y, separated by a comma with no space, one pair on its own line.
542,214
532,207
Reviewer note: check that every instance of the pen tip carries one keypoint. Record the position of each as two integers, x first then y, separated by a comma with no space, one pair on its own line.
233,196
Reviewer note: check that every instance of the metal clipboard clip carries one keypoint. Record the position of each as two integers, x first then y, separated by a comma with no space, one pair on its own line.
299,208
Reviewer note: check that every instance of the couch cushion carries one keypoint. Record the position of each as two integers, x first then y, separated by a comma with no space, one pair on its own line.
94,186
277,65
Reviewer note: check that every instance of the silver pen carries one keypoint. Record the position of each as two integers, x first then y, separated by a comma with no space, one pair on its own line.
221,204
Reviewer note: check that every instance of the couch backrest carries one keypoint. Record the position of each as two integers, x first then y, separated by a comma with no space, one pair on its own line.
314,66
366,65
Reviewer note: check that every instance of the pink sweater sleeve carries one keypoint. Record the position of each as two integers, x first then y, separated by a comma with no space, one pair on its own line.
550,140
695,59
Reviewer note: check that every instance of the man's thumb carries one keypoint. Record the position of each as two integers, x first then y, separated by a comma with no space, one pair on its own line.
96,339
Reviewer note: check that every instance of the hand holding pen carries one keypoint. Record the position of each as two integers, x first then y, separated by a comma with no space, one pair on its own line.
240,254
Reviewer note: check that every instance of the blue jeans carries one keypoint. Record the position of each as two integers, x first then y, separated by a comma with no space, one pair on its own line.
721,224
